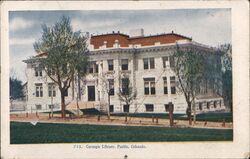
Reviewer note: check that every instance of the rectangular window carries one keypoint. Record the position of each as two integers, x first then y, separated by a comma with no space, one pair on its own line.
149,107
125,108
111,108
146,87
91,93
171,61
200,106
172,85
164,60
93,67
165,85
39,70
96,68
152,63
145,64
39,89
38,107
51,89
124,64
111,65
166,107
125,86
51,106
215,104
148,63
208,105
149,86
36,73
152,87
111,87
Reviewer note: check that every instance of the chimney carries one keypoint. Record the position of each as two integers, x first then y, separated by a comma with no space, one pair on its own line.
136,33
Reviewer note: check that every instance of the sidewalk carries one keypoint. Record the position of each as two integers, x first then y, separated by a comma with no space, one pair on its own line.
116,120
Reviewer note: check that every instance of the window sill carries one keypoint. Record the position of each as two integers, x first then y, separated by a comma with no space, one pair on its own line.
125,71
93,74
150,69
150,95
110,71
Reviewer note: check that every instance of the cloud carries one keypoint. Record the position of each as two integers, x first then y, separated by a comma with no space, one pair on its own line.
20,24
82,25
22,41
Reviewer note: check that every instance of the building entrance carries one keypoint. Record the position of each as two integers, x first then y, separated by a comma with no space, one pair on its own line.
91,93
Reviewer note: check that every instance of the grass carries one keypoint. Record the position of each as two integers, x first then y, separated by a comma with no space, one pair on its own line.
26,133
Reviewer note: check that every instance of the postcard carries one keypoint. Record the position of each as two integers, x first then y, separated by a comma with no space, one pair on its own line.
127,79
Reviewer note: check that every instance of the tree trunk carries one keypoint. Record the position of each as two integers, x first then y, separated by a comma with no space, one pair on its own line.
77,105
194,108
63,104
108,106
189,112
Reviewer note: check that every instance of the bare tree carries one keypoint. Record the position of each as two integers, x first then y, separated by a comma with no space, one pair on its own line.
195,69
127,93
107,80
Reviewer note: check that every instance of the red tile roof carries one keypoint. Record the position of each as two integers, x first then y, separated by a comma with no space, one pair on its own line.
42,54
125,40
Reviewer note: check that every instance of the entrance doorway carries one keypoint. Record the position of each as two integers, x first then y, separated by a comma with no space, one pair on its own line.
91,93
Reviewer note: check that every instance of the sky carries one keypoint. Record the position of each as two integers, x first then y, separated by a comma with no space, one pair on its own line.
207,26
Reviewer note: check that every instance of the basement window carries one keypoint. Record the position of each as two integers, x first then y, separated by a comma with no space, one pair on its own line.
149,107
208,105
200,106
111,108
125,108
38,107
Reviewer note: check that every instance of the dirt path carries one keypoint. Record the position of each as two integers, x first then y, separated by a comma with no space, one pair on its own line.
115,120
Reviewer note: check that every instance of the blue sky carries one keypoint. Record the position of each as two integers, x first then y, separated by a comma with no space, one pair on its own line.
207,26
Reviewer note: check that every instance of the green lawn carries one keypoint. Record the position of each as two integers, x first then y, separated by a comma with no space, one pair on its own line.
26,133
